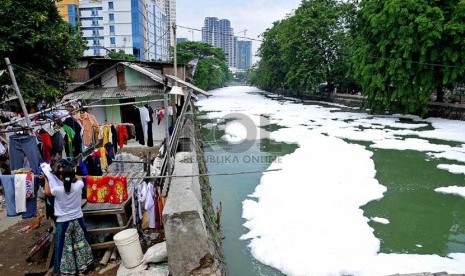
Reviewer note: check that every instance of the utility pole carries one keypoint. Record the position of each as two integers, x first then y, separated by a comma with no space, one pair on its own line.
167,147
175,53
18,93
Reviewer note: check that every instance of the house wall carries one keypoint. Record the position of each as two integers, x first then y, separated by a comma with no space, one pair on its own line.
109,79
134,78
112,113
99,113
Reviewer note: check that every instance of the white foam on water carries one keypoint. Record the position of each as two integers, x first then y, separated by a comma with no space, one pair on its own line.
380,220
455,169
453,190
306,219
410,144
449,130
392,122
453,154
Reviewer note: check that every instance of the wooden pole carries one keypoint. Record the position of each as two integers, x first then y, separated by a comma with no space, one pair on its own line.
18,93
175,55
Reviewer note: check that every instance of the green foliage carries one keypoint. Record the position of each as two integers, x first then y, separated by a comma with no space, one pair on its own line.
306,49
401,47
212,70
34,36
121,55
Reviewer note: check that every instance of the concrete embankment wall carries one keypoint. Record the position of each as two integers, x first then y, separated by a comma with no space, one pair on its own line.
441,110
191,248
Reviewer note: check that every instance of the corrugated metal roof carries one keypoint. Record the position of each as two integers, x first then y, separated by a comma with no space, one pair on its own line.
190,85
115,93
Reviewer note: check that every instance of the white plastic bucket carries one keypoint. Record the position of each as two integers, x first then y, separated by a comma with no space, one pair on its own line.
127,242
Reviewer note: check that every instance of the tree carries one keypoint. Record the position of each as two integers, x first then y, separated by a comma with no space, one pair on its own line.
306,48
121,55
37,40
406,50
212,70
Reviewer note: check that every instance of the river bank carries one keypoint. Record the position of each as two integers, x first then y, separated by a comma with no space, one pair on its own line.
453,111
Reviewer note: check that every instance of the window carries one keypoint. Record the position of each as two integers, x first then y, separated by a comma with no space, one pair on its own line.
112,17
94,22
112,41
110,5
94,11
112,29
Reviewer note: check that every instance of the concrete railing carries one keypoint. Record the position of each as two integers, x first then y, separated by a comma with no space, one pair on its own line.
186,234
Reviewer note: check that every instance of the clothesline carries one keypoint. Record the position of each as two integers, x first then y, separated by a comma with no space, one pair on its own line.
122,104
193,175
203,174
17,120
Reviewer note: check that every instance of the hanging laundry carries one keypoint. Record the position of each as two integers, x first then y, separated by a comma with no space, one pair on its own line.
69,138
23,146
134,118
114,139
90,127
131,130
160,115
8,183
107,189
150,205
110,153
47,147
77,139
160,202
57,143
92,167
149,126
122,135
29,185
106,134
141,196
144,118
11,195
101,153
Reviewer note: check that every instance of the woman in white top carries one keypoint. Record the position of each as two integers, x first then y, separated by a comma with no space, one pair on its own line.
72,250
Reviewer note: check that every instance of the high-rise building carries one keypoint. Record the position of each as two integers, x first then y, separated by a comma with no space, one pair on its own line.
244,55
161,32
132,26
92,26
220,34
170,9
210,31
68,10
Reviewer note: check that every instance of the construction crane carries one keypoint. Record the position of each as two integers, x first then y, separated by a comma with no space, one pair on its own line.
243,31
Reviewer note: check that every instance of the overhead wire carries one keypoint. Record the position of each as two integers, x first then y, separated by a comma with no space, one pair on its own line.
221,33
37,74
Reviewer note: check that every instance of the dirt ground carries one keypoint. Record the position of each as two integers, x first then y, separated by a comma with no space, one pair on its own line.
16,245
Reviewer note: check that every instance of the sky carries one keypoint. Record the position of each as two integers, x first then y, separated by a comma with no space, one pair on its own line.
254,15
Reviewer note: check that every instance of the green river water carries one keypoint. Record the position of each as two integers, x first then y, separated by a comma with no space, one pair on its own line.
421,220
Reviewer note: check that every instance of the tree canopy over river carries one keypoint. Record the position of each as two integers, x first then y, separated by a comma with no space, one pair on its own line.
398,53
